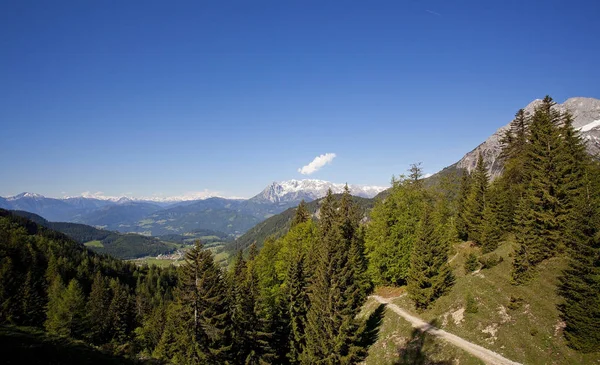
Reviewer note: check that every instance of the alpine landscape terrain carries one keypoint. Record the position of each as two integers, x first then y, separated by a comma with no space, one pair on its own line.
300,183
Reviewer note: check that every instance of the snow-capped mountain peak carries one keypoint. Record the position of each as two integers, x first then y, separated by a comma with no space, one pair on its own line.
310,189
25,195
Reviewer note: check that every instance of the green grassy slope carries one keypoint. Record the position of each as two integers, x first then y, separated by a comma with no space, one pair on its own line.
396,342
520,322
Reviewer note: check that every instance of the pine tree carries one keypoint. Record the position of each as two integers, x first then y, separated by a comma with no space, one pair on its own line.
302,214
297,308
249,333
430,275
55,315
462,225
119,311
540,216
475,203
97,310
331,326
511,184
580,282
491,232
202,297
66,309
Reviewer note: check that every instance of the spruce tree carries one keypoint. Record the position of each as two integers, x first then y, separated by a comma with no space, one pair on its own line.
430,275
202,298
511,184
302,214
475,203
55,315
331,327
491,232
297,306
119,311
580,282
540,216
97,310
462,224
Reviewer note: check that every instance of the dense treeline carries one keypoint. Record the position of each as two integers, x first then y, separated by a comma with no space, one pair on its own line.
49,281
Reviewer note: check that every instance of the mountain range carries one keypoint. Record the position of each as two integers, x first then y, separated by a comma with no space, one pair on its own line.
236,216
231,216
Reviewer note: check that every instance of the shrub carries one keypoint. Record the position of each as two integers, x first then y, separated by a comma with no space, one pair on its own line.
471,306
471,264
515,303
487,262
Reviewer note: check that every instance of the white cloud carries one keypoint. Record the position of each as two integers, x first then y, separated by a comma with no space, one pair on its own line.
316,164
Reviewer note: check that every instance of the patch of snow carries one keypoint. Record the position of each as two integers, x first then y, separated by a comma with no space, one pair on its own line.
590,126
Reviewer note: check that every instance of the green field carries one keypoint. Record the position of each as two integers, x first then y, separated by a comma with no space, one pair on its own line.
94,244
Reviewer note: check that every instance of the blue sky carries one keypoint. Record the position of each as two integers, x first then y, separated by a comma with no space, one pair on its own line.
147,98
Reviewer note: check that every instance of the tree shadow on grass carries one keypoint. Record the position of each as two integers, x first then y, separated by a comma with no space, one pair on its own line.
371,333
412,353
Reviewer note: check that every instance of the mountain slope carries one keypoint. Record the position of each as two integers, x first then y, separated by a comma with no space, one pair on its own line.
586,117
279,224
521,323
123,246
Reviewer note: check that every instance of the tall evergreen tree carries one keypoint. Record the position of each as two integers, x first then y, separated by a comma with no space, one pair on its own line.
511,184
462,224
302,214
97,310
297,302
491,232
66,306
331,327
540,216
580,282
203,309
475,203
430,275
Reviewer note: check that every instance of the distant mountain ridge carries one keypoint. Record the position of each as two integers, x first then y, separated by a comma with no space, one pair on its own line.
231,216
308,189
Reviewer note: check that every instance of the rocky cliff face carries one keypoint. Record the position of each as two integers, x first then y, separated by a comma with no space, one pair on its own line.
586,118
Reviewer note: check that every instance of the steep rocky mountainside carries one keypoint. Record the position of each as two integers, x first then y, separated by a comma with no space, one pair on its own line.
586,115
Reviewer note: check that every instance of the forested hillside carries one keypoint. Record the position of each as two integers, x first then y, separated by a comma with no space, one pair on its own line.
258,312
123,246
277,225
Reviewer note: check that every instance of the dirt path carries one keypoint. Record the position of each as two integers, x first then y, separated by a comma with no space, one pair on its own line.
488,356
